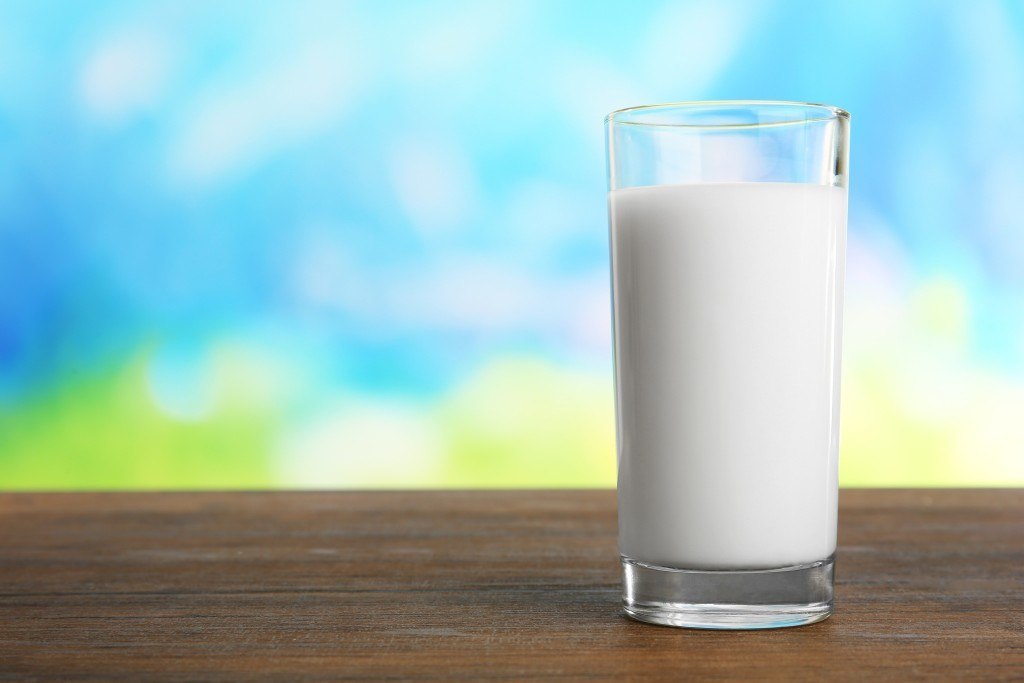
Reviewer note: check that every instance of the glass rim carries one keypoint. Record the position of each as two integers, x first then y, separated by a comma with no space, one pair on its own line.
829,113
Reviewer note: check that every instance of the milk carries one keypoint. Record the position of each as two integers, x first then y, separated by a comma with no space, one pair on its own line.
728,325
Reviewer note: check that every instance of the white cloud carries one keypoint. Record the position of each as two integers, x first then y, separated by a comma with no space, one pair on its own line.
486,296
877,291
435,183
467,294
590,316
124,75
236,126
325,273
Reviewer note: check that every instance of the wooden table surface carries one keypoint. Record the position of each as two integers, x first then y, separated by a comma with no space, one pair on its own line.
473,585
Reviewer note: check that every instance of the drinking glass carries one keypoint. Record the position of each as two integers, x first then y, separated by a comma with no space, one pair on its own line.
728,249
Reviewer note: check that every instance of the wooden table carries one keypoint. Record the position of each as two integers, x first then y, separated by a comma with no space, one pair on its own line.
472,585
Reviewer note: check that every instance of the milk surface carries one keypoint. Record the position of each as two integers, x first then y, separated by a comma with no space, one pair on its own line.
728,329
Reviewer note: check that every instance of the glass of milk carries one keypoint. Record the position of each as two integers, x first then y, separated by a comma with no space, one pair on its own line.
728,250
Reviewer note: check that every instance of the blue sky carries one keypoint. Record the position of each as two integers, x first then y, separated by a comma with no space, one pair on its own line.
384,198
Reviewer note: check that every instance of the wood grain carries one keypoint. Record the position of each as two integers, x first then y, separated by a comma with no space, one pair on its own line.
472,585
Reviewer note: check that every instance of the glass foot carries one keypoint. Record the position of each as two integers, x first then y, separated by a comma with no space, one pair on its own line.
728,599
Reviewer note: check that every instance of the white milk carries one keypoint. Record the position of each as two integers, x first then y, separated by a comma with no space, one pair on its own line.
728,326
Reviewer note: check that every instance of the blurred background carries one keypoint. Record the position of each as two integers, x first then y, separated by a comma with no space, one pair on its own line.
332,244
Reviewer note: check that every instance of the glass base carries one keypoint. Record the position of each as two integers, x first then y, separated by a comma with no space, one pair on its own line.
730,599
